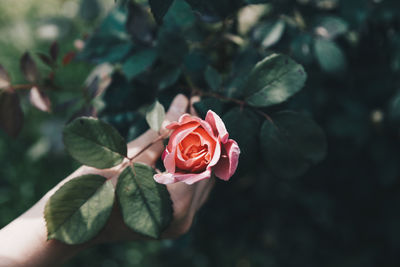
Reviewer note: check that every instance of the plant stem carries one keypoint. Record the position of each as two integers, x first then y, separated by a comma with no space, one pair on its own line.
159,138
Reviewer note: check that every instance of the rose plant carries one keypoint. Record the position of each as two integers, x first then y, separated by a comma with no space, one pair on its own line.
154,51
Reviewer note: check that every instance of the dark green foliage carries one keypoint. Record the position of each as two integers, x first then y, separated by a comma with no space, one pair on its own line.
290,143
145,204
342,211
79,209
159,8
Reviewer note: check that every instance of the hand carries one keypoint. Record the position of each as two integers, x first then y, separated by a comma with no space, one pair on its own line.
24,240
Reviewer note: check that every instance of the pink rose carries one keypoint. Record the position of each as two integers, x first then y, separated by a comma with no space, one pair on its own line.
196,148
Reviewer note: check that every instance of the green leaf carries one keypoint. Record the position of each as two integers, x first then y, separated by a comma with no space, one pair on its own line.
79,209
179,16
110,42
11,115
139,62
140,25
330,56
166,75
94,143
270,33
159,8
146,206
29,68
213,78
243,126
330,27
155,116
273,80
171,46
291,143
207,103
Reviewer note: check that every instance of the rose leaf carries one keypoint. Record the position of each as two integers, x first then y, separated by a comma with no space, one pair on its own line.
94,143
146,206
155,116
79,209
273,80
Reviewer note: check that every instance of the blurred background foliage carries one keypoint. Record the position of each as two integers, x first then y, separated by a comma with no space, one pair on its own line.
342,212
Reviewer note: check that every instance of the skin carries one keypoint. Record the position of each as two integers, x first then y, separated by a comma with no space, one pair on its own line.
23,242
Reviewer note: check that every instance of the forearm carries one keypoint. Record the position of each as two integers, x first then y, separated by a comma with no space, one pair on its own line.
23,242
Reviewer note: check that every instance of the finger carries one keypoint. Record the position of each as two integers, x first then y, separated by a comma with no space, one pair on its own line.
149,156
194,99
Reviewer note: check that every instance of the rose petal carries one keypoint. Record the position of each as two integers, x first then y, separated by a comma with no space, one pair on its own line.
169,162
179,134
164,178
190,178
229,160
218,125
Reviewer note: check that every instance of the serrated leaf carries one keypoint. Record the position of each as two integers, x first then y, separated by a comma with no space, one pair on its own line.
139,62
330,56
159,8
29,68
11,115
213,78
39,100
5,80
79,209
146,206
273,80
94,143
291,143
155,116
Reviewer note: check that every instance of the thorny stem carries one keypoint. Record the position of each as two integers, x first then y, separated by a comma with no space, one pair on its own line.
23,86
159,138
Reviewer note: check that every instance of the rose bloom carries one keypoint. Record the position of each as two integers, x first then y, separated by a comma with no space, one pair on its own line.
196,148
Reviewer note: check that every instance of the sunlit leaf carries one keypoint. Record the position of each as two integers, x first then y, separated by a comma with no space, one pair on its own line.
273,80
155,116
79,209
39,99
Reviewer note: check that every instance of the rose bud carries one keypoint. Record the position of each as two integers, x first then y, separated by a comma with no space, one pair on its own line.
197,148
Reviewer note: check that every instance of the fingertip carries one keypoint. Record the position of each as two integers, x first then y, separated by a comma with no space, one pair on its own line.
178,107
